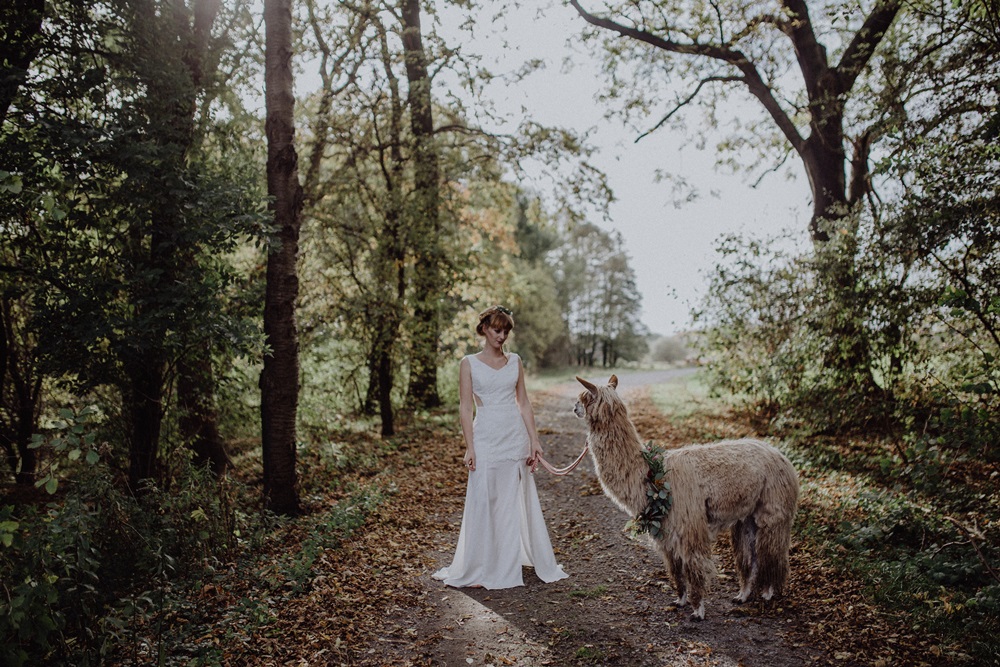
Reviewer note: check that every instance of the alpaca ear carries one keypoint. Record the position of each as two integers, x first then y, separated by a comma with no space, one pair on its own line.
613,382
592,388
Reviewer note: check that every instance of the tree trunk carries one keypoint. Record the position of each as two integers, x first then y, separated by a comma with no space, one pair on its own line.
144,413
20,41
199,416
824,159
426,224
388,271
170,52
279,380
20,391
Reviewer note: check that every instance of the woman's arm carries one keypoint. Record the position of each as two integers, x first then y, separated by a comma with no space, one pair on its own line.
466,403
528,415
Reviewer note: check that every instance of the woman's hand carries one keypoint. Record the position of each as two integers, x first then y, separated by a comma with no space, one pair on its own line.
470,459
534,456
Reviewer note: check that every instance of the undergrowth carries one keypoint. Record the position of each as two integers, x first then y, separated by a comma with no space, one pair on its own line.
94,575
915,559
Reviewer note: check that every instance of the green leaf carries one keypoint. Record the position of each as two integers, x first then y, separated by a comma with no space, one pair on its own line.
51,485
93,457
11,183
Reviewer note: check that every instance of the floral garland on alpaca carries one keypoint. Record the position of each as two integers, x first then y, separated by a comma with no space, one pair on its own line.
659,499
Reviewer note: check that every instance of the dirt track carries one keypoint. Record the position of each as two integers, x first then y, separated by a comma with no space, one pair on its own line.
615,608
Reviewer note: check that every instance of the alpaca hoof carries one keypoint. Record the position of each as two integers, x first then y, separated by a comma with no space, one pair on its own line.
681,601
743,595
768,594
699,613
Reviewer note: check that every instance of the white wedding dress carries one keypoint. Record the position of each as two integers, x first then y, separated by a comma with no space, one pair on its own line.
502,525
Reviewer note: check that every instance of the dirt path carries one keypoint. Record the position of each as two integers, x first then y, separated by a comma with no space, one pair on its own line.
615,608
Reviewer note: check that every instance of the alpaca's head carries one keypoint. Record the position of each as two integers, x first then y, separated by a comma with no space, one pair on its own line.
601,406
614,444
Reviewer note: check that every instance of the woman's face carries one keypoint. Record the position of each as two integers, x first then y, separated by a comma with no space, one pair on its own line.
496,336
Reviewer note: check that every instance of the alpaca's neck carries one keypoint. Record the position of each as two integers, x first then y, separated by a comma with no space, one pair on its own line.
620,464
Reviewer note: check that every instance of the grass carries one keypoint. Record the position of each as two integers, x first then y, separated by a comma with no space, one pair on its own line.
682,397
591,593
550,377
589,653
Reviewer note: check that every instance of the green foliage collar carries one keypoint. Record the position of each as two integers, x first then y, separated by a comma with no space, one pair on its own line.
658,495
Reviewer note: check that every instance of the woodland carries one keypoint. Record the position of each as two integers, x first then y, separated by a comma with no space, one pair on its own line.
227,306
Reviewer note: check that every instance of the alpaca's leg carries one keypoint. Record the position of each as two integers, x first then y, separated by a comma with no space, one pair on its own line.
677,570
694,575
773,541
744,535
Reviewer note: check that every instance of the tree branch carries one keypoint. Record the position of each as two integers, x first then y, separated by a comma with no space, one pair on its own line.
683,103
751,77
982,559
810,54
771,170
868,36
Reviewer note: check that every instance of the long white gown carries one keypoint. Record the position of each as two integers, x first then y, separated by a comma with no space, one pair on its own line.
502,525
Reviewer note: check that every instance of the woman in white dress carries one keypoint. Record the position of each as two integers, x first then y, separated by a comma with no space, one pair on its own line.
502,525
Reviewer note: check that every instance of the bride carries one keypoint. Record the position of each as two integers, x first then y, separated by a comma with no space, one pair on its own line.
502,524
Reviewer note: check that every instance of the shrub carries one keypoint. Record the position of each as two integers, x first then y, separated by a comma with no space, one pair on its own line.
85,569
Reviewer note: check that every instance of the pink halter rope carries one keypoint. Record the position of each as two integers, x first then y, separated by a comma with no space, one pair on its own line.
559,471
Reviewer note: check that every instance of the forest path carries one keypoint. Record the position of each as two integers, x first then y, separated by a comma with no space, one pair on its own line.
616,606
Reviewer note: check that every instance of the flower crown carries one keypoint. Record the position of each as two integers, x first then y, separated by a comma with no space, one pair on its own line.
493,310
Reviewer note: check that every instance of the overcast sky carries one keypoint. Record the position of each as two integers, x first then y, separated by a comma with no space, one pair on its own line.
671,249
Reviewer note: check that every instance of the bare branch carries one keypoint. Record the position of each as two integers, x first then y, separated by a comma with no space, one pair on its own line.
709,50
683,103
772,170
718,15
969,534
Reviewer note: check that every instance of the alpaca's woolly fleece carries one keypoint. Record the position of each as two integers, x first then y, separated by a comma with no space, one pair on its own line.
745,486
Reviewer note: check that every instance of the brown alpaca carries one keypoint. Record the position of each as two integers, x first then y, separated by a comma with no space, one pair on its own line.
746,486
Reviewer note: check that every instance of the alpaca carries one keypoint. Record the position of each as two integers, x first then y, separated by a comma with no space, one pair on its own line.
746,486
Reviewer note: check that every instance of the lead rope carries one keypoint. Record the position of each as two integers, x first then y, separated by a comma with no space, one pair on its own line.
559,471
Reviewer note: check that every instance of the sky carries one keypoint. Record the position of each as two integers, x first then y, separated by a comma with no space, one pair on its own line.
671,249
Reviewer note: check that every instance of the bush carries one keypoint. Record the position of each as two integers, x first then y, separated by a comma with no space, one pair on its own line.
670,350
898,352
84,570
